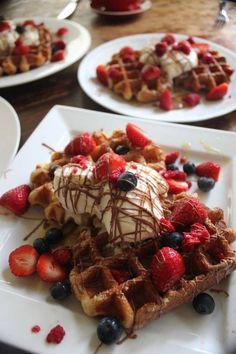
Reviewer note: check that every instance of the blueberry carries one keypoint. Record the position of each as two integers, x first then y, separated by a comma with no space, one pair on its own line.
127,181
53,236
41,246
61,290
172,167
52,170
172,239
121,150
109,330
204,304
189,167
20,29
205,183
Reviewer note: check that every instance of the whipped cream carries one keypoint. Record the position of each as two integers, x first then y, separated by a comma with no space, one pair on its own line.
8,37
31,36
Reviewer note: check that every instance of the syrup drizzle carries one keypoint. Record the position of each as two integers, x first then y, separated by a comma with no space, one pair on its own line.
48,147
34,229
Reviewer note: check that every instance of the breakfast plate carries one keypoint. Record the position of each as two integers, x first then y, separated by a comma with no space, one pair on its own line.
106,98
25,302
144,6
77,42
9,134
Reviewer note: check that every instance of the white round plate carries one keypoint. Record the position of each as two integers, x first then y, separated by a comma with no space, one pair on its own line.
9,134
77,40
146,5
106,98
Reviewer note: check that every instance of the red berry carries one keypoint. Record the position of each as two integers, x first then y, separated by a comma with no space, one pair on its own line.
62,255
82,144
121,275
136,136
217,92
18,41
36,329
166,225
191,40
23,260
161,48
49,270
184,47
207,58
192,99
80,160
16,199
108,166
56,335
58,45
176,187
200,48
176,175
58,56
101,72
228,70
197,236
166,101
208,169
126,51
115,74
167,268
151,72
62,31
21,49
169,38
4,26
171,157
183,160
29,23
128,58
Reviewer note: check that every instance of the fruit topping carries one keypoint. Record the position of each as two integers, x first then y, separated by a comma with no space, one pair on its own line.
172,239
185,47
61,290
127,181
56,335
176,187
167,268
166,225
208,169
217,92
62,31
81,144
49,270
21,49
58,56
207,58
205,184
16,199
53,235
126,51
101,72
109,330
189,167
191,99
62,255
23,260
204,304
175,174
35,329
171,157
150,72
200,48
58,45
169,38
197,236
121,150
109,166
166,101
172,167
161,48
41,246
115,74
228,70
191,40
121,275
4,26
136,136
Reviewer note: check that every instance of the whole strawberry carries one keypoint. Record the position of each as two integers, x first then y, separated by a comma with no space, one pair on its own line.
167,268
16,199
208,169
82,144
188,211
136,136
109,167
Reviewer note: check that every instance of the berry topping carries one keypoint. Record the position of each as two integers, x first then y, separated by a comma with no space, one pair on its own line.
191,99
35,329
61,290
191,40
23,260
150,72
207,58
166,225
204,304
109,330
127,181
189,167
200,48
58,56
115,74
184,47
41,246
4,26
21,49
161,48
205,184
172,239
187,212
29,23
167,268
208,169
169,38
49,270
62,255
62,31
101,72
197,236
82,144
56,335
176,174
108,166
166,101
171,157
121,150
58,45
228,70
52,170
121,275
53,236
125,51
176,187
16,199
172,167
136,136
217,92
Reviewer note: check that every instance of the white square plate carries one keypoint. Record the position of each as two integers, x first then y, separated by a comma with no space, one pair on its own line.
26,302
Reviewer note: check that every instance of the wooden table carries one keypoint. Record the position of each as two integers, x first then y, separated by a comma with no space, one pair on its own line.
32,101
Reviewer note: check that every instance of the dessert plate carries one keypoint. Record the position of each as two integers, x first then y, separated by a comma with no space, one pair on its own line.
106,98
146,5
77,40
26,302
9,134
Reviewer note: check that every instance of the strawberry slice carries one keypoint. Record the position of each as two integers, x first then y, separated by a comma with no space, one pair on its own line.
200,48
217,92
62,31
150,72
171,157
58,56
4,26
21,49
176,175
136,136
167,268
192,99
23,260
197,236
82,144
49,270
101,72
208,169
166,101
109,166
16,199
176,187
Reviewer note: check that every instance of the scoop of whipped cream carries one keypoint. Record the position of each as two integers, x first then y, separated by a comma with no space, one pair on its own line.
8,37
127,216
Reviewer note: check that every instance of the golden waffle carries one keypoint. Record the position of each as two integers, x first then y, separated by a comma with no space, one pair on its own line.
136,301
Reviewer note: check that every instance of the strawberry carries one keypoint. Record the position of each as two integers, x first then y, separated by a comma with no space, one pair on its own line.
82,144
18,41
191,40
23,260
126,51
171,157
61,31
121,275
169,38
166,101
58,45
207,58
151,72
167,268
191,99
200,48
197,236
176,187
185,47
21,49
16,199
136,136
4,26
109,166
58,56
29,23
228,70
161,48
62,255
166,225
115,74
49,270
208,169
217,92
188,211
176,175
101,72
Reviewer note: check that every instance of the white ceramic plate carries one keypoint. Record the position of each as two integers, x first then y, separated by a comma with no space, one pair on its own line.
77,40
26,302
146,5
107,99
9,134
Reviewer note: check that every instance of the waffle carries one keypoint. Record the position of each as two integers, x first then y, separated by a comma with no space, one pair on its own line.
135,299
205,76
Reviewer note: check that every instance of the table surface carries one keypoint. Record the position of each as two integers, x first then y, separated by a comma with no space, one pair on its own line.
33,100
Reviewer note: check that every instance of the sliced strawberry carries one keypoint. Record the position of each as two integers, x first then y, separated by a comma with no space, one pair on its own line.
29,23
16,199
208,169
18,41
166,225
171,157
161,48
176,175
62,31
200,48
150,72
169,38
217,92
185,47
192,99
121,275
81,144
4,26
167,268
176,187
21,49
23,260
136,136
109,166
166,101
49,270
101,72
58,56
62,255
197,236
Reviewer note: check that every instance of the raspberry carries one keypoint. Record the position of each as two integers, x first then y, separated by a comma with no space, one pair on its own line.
56,335
191,40
166,225
36,329
80,160
115,74
184,47
171,157
197,236
228,70
207,58
161,48
169,38
150,72
61,31
126,51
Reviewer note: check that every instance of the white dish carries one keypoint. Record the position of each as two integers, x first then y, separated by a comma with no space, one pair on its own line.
77,40
146,5
9,134
107,99
26,302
